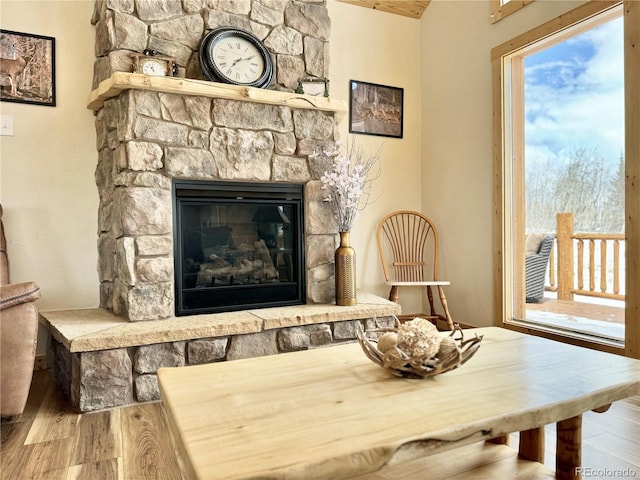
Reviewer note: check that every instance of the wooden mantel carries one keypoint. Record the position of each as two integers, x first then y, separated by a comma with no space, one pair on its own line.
120,81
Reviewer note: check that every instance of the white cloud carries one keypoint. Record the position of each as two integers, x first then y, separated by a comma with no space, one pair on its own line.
578,101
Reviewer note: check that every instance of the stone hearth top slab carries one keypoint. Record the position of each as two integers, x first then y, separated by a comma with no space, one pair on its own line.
120,81
85,330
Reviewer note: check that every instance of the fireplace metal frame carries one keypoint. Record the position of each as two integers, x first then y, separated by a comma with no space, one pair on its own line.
251,193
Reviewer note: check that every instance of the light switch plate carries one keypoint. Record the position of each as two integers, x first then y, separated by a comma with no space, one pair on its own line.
6,125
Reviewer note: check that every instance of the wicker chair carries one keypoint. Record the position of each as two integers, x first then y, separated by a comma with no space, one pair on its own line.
536,270
408,248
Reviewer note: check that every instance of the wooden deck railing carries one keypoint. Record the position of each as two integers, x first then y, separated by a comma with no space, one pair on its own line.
601,255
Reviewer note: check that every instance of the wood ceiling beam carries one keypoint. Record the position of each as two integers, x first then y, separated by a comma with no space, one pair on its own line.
406,8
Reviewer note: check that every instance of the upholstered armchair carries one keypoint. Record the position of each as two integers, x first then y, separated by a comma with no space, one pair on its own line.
536,262
18,336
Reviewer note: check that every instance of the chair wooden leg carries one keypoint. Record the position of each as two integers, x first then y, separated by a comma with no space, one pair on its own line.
432,309
445,306
393,294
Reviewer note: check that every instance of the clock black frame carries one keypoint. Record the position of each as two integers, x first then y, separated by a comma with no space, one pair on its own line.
213,73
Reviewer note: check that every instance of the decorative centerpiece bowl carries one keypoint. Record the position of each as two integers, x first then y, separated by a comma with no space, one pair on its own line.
416,349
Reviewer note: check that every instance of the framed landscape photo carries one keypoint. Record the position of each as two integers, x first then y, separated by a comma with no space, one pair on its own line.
375,109
27,68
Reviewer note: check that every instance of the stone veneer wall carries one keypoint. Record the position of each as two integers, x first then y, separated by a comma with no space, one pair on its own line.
296,33
102,379
145,139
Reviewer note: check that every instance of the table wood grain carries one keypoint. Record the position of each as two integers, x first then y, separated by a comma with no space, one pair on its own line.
331,413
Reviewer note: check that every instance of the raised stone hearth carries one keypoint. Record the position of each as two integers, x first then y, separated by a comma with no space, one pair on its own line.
102,360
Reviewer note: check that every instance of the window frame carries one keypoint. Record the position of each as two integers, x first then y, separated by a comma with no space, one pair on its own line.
503,213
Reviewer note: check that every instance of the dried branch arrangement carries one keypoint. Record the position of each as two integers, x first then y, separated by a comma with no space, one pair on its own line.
416,349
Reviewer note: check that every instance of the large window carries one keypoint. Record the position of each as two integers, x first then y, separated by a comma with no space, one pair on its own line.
561,163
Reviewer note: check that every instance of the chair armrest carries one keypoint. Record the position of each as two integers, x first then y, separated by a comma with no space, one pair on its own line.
17,293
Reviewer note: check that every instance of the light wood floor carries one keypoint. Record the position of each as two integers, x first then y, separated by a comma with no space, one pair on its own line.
49,441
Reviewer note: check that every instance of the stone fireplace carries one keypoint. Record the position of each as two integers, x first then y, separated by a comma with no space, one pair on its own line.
149,140
157,136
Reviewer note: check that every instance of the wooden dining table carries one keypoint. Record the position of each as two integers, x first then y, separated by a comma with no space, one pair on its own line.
331,413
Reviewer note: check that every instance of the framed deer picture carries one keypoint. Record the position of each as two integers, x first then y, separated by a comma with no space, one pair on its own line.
375,109
27,68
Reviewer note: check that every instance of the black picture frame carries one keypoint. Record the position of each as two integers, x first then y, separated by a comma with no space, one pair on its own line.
375,109
28,67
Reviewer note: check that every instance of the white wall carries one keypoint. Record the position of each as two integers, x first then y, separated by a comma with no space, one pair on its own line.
47,185
377,47
457,181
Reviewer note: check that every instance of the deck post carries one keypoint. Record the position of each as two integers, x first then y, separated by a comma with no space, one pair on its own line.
564,234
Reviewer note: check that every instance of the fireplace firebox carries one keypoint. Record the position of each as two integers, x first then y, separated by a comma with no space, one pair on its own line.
238,246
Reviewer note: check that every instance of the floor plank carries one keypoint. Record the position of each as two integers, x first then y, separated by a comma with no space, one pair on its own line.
104,470
22,423
55,419
98,437
602,466
621,419
147,443
43,460
626,450
14,434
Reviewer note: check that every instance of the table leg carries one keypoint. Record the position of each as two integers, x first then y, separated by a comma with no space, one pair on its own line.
602,409
432,309
532,445
501,440
569,448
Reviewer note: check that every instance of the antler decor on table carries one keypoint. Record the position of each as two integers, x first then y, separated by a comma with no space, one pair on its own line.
416,349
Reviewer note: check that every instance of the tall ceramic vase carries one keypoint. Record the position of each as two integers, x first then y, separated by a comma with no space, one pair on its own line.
345,259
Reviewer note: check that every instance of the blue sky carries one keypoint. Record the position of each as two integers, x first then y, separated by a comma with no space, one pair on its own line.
574,96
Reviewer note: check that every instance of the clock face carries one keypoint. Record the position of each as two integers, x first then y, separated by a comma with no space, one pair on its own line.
238,59
154,67
232,55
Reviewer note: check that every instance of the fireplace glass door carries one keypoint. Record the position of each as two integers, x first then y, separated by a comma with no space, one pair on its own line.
238,246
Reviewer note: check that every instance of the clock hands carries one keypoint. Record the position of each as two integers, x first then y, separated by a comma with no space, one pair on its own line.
241,60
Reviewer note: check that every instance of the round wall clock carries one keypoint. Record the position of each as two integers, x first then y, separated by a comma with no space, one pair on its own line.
232,55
